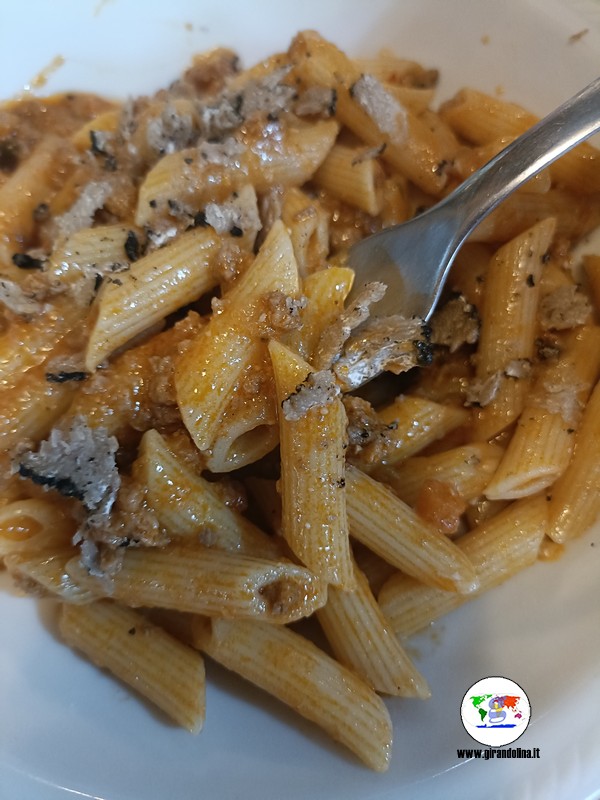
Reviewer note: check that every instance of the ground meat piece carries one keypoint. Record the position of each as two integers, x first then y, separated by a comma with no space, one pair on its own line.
220,118
239,213
565,307
282,313
221,153
455,324
209,71
316,100
440,505
267,96
316,391
171,131
81,213
364,425
133,521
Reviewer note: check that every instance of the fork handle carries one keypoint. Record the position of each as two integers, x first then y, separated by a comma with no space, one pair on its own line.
571,123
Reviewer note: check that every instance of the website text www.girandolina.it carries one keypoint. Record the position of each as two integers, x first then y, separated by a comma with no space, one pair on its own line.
499,752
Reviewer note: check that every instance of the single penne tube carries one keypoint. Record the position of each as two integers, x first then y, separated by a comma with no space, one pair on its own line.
218,375
390,528
537,454
155,664
467,469
499,548
43,573
204,580
575,499
370,111
541,446
154,287
308,226
448,145
312,443
508,328
480,118
412,423
299,674
28,186
189,507
354,175
212,172
361,638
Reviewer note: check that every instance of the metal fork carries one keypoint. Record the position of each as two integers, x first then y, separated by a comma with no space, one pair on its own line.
413,259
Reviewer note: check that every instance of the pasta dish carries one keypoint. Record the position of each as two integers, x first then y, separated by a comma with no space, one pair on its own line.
209,449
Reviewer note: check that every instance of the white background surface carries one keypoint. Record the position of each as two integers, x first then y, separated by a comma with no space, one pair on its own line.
67,730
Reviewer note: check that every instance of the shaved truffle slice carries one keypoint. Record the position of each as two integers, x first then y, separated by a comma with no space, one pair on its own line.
79,462
393,344
565,307
455,324
383,108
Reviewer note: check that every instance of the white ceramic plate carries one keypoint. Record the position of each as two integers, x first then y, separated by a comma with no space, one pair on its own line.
67,730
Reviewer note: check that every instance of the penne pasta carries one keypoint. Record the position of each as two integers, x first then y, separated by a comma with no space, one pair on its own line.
370,112
466,469
197,176
210,443
354,175
189,507
386,525
312,443
295,671
507,339
361,638
154,287
540,449
152,662
575,500
216,378
203,580
412,423
501,547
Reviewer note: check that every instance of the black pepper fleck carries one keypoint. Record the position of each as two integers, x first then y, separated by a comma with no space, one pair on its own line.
24,261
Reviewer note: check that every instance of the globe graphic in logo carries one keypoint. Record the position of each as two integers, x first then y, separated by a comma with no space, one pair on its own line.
495,711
